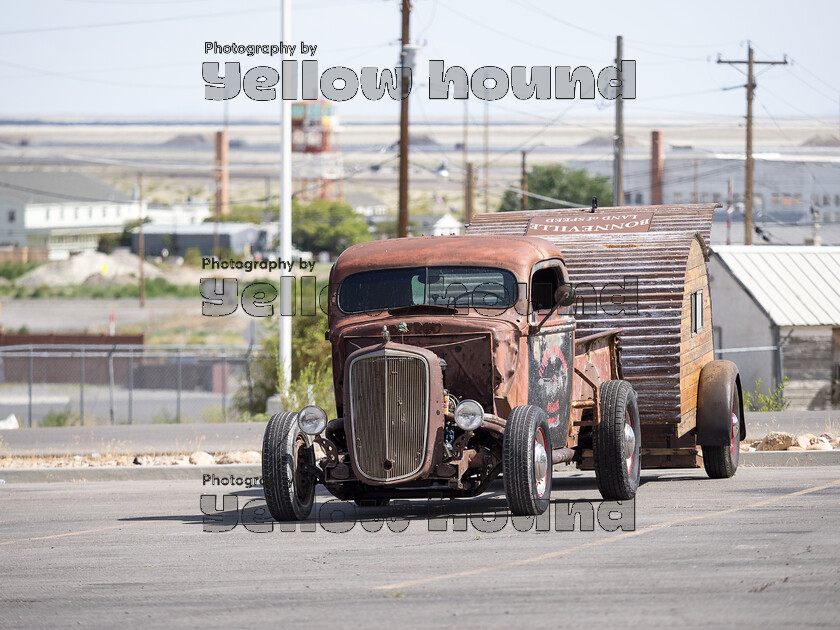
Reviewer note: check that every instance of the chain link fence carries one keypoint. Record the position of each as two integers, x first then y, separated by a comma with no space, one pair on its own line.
63,385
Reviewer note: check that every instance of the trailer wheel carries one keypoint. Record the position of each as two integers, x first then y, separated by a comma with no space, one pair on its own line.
527,461
720,418
616,442
721,461
287,452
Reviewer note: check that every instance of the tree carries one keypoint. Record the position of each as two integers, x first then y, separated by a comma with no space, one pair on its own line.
311,378
555,181
240,214
327,226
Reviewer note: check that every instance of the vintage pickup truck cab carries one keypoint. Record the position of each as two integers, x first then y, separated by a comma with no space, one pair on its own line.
460,358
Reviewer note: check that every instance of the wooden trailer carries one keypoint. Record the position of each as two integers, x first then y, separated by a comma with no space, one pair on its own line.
643,270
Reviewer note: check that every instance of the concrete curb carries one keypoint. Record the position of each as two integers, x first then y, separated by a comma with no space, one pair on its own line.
241,471
790,458
132,473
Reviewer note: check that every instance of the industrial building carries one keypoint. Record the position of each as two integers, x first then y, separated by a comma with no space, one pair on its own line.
241,239
61,212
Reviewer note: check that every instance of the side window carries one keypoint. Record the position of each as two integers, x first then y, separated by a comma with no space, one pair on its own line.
544,285
697,312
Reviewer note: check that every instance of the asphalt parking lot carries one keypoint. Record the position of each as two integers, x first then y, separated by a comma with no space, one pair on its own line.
758,550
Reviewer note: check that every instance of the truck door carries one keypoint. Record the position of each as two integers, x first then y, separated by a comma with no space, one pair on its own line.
550,349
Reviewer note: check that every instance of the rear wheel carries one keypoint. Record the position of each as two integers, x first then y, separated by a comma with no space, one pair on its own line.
616,442
527,461
721,462
287,460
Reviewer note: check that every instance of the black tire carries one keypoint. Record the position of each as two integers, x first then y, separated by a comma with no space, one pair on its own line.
721,462
617,474
289,489
527,455
372,502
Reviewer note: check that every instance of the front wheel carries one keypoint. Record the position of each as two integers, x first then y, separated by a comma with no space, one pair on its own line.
527,461
287,460
616,442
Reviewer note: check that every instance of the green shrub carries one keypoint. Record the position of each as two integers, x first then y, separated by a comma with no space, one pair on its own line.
311,379
12,270
192,257
775,401
164,417
65,418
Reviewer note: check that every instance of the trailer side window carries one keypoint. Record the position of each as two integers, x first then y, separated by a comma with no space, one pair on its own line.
696,312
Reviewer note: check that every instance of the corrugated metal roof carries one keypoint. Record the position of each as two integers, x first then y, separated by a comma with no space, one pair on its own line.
797,286
224,227
56,187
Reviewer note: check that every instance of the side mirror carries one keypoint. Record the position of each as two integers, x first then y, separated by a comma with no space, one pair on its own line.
565,295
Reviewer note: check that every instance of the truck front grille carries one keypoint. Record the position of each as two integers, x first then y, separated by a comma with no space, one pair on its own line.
389,412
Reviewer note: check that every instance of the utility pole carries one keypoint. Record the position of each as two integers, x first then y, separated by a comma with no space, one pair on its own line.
524,184
141,246
748,171
402,221
618,160
696,197
486,156
469,194
465,150
729,209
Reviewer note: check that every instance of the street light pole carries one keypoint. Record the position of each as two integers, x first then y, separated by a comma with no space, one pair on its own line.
284,350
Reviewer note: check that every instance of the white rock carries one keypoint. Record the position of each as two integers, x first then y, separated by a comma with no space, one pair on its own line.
9,422
234,457
251,457
200,458
776,441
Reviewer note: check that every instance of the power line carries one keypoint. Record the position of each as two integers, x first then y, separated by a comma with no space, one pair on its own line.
75,27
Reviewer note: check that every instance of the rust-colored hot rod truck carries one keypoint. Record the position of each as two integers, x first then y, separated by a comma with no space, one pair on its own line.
521,345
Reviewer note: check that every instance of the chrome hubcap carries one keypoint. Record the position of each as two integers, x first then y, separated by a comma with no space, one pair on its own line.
629,444
540,463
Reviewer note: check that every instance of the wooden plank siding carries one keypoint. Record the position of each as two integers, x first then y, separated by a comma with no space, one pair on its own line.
696,350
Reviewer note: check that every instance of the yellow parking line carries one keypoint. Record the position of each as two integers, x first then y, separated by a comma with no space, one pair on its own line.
602,541
86,531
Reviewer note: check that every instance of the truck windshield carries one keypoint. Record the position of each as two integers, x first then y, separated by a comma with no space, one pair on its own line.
460,287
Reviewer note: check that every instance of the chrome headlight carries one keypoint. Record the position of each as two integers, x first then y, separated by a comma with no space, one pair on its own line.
468,415
312,419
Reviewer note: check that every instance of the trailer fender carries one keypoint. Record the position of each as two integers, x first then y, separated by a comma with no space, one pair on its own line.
719,380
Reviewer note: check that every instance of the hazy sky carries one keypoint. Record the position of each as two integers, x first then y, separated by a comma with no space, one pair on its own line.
143,57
